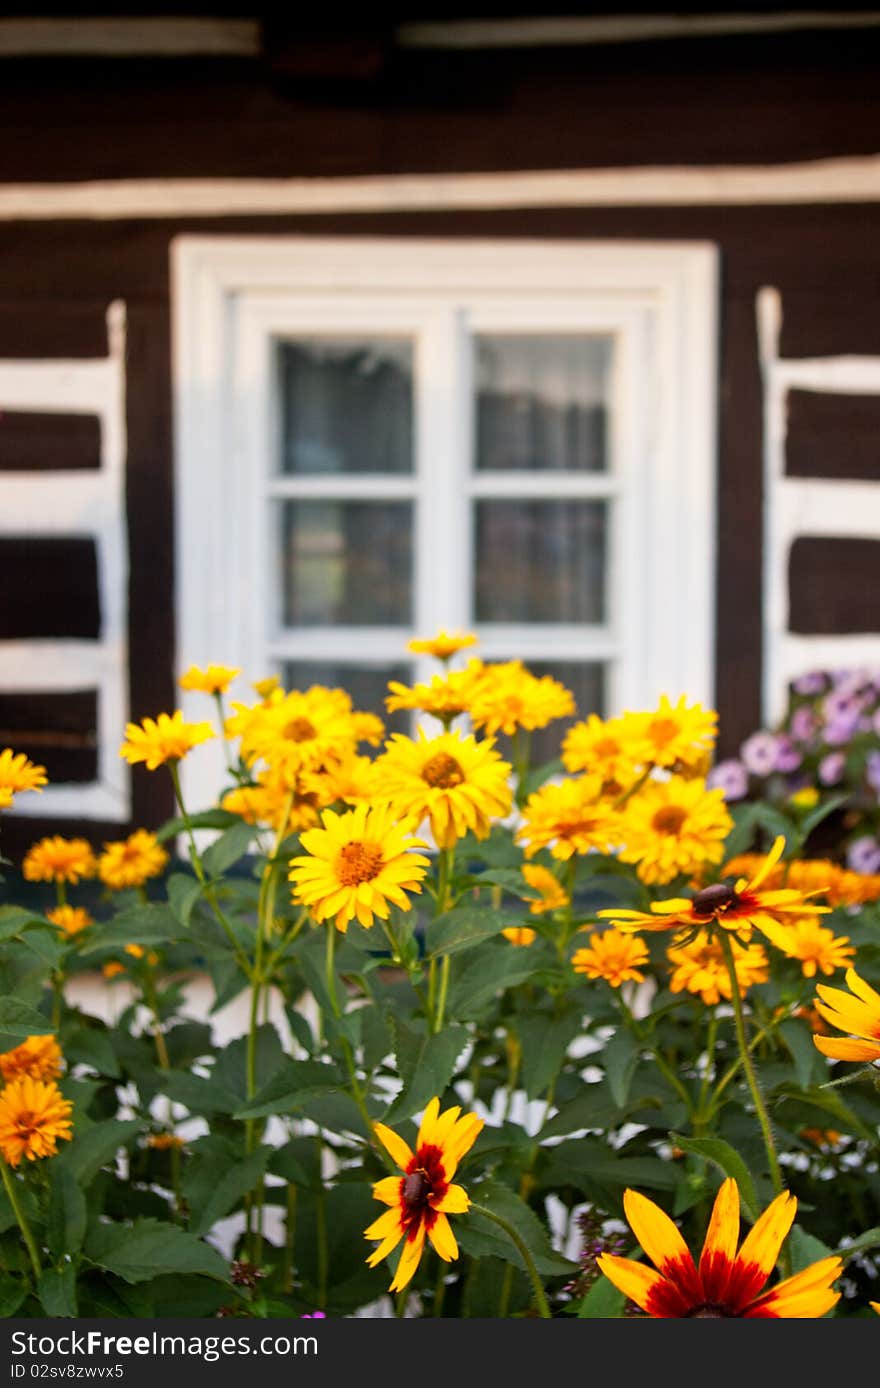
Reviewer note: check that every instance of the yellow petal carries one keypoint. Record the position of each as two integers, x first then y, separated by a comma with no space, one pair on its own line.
844,1048
455,1201
381,1227
757,1257
655,1231
409,1260
807,1295
462,1139
634,1279
388,1190
769,863
863,990
443,1239
429,1120
722,1236
394,1145
387,1246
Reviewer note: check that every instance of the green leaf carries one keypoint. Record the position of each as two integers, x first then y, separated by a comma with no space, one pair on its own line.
148,1248
502,1201
812,820
869,1239
544,1041
463,929
806,1249
15,919
199,1095
231,845
511,879
57,1291
799,1040
290,1087
66,1222
226,1192
426,1064
150,924
488,971
722,1155
183,893
603,1301
620,1058
89,1046
13,1291
96,1147
19,1020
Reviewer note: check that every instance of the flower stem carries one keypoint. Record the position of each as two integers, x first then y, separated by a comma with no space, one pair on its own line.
10,1184
746,1055
537,1287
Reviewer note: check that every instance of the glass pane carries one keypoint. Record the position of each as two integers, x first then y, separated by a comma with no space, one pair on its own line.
540,561
542,403
346,405
367,686
346,562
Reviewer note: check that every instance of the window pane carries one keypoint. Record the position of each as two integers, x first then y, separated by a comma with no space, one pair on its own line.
586,680
540,561
346,562
542,403
346,405
367,685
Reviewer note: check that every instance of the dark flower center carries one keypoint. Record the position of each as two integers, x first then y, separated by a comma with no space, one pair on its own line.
709,1310
416,1190
442,771
715,898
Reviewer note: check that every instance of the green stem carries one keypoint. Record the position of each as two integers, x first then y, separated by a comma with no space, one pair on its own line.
356,1092
9,1182
506,1289
537,1287
746,1055
321,1230
289,1239
701,1116
444,989
445,868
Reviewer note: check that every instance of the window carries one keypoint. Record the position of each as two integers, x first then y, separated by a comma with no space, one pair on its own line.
376,438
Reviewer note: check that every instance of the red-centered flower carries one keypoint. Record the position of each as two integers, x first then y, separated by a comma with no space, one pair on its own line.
421,1199
725,1284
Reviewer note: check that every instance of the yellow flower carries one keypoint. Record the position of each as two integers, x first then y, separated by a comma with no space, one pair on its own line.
699,967
857,1012
112,969
805,798
677,735
508,697
672,827
296,731
267,687
367,727
161,1142
613,956
131,862
725,1284
813,944
520,934
553,895
356,864
38,1058
18,774
569,817
163,739
56,859
446,697
603,748
34,1116
421,1199
138,952
443,645
70,919
214,679
457,783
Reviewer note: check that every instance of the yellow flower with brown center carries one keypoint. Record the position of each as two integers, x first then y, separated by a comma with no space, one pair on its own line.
167,738
446,697
443,645
17,773
725,1284
56,859
38,1058
699,967
553,896
673,735
296,731
214,679
456,782
673,827
520,934
358,864
508,697
817,948
70,919
604,748
613,956
424,1195
731,905
856,1012
568,817
34,1117
132,861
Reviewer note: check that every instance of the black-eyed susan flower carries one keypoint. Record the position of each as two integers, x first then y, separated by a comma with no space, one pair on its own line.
131,862
214,679
612,955
38,1058
457,783
700,967
164,739
818,948
358,864
34,1117
673,827
70,920
508,697
17,773
553,896
56,859
725,1284
424,1195
569,817
733,905
443,645
856,1012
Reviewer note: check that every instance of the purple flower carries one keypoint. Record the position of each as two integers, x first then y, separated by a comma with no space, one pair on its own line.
758,752
831,768
842,705
729,776
788,758
813,682
804,724
841,730
872,770
314,1316
863,855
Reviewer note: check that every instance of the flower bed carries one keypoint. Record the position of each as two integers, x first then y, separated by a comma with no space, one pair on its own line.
510,1027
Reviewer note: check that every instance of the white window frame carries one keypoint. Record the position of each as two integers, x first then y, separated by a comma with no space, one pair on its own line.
234,297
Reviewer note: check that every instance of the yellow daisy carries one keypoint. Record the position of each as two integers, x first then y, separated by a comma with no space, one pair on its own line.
856,1012
520,934
604,748
457,783
70,919
446,697
17,773
38,1058
672,827
131,862
214,679
509,697
613,956
699,967
568,818
817,947
56,859
295,731
424,1195
34,1116
553,896
679,735
164,739
357,864
443,645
